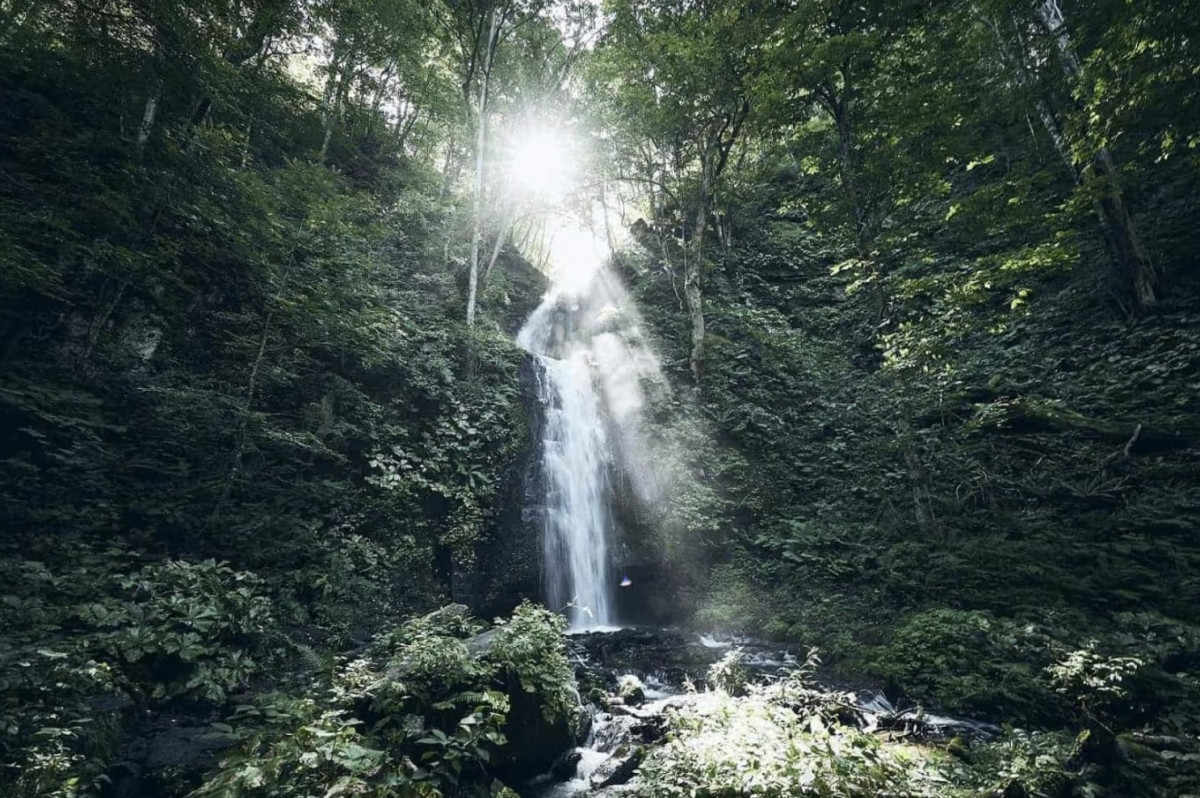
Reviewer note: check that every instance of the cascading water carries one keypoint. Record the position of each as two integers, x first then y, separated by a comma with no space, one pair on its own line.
592,365
577,521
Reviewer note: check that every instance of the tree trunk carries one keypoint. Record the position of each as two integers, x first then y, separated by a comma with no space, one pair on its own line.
692,270
839,107
917,477
1135,274
480,163
150,109
841,117
96,328
501,237
239,449
330,98
331,117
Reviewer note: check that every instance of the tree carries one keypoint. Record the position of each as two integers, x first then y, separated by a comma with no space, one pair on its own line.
1042,37
678,78
478,28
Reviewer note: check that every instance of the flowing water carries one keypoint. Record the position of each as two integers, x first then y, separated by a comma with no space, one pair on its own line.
593,366
575,449
665,664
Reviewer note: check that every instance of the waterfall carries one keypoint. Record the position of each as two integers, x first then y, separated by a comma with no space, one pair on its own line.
593,365
575,454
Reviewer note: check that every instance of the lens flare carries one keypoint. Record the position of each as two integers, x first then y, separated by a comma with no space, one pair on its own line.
541,162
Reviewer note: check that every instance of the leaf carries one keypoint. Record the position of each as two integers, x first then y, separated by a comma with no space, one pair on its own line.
341,786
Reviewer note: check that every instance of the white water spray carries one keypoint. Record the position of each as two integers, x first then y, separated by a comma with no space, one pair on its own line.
577,522
592,366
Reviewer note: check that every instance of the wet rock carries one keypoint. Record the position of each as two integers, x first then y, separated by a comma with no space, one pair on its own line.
534,743
618,768
584,726
615,791
612,732
564,767
1015,789
630,712
171,746
631,691
637,676
482,643
674,656
506,566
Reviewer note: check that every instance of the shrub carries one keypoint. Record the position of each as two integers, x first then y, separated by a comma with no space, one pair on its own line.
425,711
725,746
970,662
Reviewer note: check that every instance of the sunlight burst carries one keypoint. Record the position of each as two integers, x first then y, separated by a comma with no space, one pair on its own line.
541,162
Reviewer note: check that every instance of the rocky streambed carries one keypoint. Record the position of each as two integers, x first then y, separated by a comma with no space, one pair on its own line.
633,681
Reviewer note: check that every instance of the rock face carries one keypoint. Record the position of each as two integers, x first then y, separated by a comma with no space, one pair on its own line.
534,743
162,748
631,691
673,656
507,565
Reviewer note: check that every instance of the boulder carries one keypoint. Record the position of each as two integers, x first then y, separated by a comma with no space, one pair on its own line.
619,768
565,766
631,691
534,743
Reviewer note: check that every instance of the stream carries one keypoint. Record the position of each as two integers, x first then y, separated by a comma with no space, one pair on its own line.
630,679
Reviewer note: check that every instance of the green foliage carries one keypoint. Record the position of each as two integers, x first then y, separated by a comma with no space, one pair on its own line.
168,631
728,674
188,630
722,746
223,293
970,662
424,713
1035,762
945,426
530,648
1095,682
932,442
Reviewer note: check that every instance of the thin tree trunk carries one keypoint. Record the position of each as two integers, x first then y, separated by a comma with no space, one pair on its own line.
450,168
841,118
331,97
608,235
501,237
1135,269
692,268
339,99
1135,273
495,256
246,143
405,125
662,238
101,321
239,449
149,114
916,474
480,162
839,107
